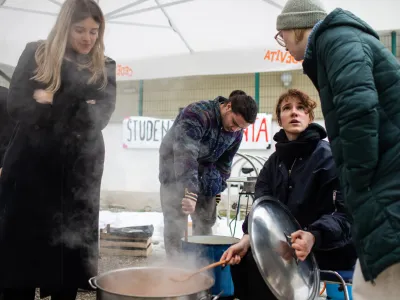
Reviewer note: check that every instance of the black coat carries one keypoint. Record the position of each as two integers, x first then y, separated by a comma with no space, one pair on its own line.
50,184
312,194
6,124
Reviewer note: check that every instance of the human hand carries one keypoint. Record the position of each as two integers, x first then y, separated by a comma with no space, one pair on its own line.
91,101
302,243
43,97
189,202
236,252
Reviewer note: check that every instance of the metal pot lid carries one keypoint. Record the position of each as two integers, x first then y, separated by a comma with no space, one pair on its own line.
270,225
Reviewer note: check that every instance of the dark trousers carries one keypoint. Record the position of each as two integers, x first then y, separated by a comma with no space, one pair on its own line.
175,221
29,294
248,282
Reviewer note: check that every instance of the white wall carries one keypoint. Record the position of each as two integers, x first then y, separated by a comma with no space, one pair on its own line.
131,175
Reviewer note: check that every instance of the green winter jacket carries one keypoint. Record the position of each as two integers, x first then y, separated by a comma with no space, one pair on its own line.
359,85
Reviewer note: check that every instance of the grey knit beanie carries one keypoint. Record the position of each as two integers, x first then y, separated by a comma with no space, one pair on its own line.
300,14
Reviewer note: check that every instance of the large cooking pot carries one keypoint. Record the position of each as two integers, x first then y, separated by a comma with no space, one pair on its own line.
270,227
151,283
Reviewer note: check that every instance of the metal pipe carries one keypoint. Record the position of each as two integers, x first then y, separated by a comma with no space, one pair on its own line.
55,2
30,11
256,159
114,12
147,9
235,162
346,294
263,158
394,43
273,3
140,108
251,163
5,76
257,89
139,24
174,26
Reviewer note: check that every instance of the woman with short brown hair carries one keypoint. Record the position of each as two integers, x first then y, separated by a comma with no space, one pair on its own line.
300,174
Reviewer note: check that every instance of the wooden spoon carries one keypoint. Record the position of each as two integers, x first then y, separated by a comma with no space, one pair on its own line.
190,275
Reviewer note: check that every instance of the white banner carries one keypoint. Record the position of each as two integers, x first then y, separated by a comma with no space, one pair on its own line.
147,133
258,135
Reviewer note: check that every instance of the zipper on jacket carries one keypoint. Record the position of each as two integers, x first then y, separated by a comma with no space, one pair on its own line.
291,168
290,173
334,200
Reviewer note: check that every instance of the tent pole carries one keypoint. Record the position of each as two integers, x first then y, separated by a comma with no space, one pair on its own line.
30,11
257,89
394,43
55,2
134,12
4,75
115,12
173,26
140,109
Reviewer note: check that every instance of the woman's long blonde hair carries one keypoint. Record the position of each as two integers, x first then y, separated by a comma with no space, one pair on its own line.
50,54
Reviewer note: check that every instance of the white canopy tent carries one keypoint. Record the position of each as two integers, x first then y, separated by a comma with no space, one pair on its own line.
170,38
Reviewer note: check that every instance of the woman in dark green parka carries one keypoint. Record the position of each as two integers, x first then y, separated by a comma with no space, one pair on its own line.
358,80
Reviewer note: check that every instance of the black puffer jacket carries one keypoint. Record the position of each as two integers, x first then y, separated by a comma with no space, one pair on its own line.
302,175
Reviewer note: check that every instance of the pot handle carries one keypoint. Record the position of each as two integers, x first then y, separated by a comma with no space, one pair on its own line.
92,284
289,241
212,297
217,296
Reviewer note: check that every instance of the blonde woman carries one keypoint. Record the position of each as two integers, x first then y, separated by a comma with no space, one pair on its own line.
62,94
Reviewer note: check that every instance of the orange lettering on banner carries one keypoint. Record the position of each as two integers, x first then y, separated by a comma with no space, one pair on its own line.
124,71
256,132
273,53
283,57
280,57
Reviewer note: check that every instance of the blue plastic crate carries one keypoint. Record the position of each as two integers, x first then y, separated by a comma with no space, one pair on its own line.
335,292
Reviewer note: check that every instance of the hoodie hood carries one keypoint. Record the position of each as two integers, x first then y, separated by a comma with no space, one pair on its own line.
339,18
303,146
314,129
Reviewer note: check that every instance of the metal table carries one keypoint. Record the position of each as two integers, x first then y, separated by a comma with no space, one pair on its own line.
231,181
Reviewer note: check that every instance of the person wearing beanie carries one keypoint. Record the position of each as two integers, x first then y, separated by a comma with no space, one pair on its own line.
358,80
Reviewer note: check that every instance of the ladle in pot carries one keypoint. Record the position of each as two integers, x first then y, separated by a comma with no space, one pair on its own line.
190,275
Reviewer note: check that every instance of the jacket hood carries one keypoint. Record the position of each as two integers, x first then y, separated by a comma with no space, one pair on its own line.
340,18
312,129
